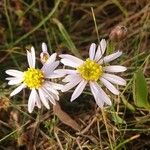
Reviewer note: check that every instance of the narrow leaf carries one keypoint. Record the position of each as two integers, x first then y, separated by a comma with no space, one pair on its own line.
117,119
127,104
140,90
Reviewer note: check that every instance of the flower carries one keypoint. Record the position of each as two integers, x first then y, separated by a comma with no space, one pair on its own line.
42,90
91,71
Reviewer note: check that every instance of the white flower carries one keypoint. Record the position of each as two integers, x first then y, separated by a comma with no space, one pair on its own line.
91,71
42,90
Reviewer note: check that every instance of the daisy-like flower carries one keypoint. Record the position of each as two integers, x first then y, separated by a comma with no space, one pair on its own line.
42,89
92,71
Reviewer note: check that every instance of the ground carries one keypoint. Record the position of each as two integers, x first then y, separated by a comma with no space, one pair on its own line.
70,27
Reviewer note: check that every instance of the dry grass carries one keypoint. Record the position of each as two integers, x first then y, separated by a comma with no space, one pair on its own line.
68,26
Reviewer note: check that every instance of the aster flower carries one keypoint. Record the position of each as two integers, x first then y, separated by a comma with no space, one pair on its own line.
92,71
42,90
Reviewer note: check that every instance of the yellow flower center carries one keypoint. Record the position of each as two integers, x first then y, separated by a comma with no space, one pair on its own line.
33,78
90,70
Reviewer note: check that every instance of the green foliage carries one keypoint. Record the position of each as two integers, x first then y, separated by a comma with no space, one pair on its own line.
140,91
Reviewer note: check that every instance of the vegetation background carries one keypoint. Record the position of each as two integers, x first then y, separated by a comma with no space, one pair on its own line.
69,26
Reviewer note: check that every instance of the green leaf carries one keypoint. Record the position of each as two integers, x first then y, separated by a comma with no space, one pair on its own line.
140,90
117,119
127,104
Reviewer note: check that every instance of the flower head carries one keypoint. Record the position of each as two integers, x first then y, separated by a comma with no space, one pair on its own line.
92,71
42,90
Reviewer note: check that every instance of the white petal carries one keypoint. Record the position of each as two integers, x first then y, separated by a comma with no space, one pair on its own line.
10,78
71,84
98,54
31,102
71,77
115,68
97,96
43,98
55,75
100,50
103,45
52,91
92,51
110,86
114,79
103,96
50,88
111,57
14,73
29,58
63,72
44,47
51,59
15,81
79,89
17,90
56,85
48,95
33,56
49,69
69,63
37,98
72,58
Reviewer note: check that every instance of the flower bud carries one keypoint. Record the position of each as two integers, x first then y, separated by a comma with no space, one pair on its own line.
44,57
118,33
44,54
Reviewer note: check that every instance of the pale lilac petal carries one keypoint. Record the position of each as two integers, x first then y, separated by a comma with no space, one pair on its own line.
97,96
115,68
71,77
98,54
114,79
103,45
50,60
71,84
29,58
54,76
72,58
33,57
79,89
110,87
92,51
43,98
103,96
110,58
17,90
15,81
44,47
48,95
50,87
14,73
56,85
48,70
10,78
100,50
69,63
31,101
37,98
63,72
